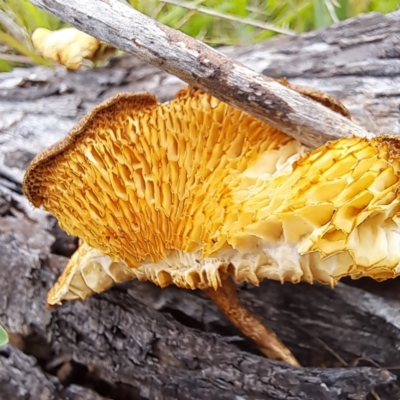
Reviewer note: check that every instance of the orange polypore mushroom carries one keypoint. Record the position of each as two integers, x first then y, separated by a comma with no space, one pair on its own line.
193,191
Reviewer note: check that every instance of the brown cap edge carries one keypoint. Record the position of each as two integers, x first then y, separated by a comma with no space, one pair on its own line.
31,187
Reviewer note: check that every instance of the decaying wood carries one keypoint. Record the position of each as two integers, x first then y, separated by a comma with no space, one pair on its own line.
22,378
156,354
201,66
139,341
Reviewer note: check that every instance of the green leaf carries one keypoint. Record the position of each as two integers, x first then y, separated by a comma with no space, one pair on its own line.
385,6
12,42
237,7
5,66
343,11
3,337
321,14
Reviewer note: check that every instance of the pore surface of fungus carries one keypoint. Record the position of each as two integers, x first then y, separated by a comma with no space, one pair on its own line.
185,191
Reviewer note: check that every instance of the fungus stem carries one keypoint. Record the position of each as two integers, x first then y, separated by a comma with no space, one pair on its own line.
226,298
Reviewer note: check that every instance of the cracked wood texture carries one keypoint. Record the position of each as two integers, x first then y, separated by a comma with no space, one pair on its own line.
138,341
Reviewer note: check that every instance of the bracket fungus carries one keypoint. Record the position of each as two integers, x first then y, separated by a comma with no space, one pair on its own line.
193,192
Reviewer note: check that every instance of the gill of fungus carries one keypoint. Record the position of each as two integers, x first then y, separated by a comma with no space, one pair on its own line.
193,192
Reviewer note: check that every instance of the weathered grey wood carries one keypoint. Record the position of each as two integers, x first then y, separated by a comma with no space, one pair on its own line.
150,352
356,61
142,340
364,76
199,65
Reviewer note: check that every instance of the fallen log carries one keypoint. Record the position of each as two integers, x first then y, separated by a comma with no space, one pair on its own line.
141,341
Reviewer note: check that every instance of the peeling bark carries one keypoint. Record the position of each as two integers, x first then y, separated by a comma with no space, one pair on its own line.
140,341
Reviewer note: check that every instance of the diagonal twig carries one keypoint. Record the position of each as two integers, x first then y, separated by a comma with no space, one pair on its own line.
199,65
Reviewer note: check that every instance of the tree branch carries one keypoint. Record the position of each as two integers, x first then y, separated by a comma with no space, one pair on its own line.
201,66
172,343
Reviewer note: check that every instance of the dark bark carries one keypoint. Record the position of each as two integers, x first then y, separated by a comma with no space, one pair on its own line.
22,378
139,341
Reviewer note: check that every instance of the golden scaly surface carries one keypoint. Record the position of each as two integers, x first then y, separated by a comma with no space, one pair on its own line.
184,191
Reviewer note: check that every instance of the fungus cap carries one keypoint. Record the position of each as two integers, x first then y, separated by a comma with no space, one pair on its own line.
67,46
88,272
185,191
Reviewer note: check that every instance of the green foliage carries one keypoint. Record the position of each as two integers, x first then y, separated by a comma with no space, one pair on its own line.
3,337
213,21
384,6
18,19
